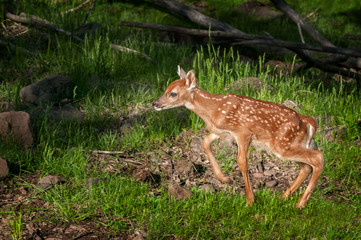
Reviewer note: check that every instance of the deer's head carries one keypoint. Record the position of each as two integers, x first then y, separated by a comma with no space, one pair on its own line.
178,93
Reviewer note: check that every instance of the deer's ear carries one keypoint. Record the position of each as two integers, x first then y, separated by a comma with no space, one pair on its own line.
191,80
182,74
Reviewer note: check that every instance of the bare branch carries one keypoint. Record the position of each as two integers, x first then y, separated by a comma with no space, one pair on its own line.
125,49
297,18
195,16
328,68
298,48
107,152
300,32
87,14
76,8
23,18
249,38
313,13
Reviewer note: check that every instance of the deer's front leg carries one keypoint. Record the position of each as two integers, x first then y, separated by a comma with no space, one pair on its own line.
207,142
243,141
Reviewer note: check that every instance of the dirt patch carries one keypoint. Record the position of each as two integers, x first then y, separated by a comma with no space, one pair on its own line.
187,164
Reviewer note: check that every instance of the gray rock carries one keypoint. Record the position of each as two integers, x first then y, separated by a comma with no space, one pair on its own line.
48,181
179,192
251,82
16,124
269,173
196,145
66,112
49,90
291,104
271,184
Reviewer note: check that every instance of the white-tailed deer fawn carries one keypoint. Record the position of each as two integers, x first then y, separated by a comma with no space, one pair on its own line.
288,134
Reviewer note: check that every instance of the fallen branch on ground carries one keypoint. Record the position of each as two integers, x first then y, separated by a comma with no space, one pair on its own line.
251,38
106,152
124,159
88,12
76,8
125,49
195,16
23,18
230,32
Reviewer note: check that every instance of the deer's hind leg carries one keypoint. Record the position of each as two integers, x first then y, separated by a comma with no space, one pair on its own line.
305,170
290,144
309,160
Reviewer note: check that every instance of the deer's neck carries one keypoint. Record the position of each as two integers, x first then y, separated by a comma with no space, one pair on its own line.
204,104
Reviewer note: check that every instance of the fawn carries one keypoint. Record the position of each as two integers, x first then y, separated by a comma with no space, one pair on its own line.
286,133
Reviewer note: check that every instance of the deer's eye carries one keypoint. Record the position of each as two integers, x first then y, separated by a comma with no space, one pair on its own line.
173,94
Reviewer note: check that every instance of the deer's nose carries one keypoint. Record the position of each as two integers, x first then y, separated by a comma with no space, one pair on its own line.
155,103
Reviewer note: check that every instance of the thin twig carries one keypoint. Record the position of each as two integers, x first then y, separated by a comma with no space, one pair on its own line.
115,153
300,32
106,152
75,8
125,49
313,13
87,14
297,18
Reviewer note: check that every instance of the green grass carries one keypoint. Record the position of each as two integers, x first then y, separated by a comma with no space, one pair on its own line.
114,86
203,216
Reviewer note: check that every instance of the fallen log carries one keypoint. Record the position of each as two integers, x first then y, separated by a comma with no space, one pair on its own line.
24,18
195,16
250,38
213,24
